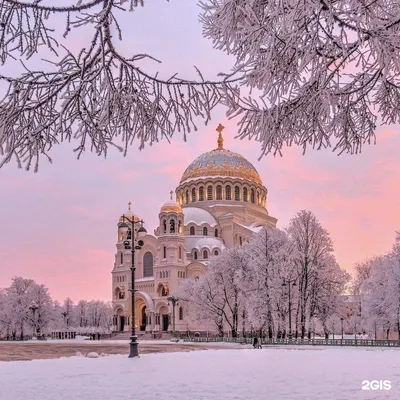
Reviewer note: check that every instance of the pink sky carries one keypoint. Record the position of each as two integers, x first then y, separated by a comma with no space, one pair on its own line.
59,226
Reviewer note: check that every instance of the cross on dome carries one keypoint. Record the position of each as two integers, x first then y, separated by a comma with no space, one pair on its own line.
171,193
220,140
129,206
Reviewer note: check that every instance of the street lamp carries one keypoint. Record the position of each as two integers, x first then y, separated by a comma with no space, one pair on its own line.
134,244
65,315
291,283
174,300
33,308
341,321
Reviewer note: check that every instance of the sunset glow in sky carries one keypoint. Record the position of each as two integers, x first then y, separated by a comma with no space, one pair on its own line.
59,226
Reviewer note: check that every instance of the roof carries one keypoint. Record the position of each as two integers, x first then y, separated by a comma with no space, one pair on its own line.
198,216
200,242
221,162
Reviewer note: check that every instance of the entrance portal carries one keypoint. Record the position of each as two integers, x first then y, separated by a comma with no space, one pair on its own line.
121,323
165,322
144,319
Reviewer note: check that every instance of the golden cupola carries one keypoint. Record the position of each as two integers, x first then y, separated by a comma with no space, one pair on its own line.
221,163
171,206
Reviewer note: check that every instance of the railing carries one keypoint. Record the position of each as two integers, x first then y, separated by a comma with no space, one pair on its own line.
299,342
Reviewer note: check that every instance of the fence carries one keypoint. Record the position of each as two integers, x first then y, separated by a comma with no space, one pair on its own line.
300,342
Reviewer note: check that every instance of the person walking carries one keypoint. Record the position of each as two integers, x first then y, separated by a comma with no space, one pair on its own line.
255,343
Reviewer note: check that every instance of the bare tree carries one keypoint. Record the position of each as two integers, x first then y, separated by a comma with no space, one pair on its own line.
326,69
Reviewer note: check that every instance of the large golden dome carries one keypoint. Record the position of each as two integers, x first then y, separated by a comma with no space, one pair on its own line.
223,163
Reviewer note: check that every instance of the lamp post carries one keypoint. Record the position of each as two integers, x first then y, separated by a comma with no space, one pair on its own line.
290,283
65,315
134,244
174,300
33,308
341,321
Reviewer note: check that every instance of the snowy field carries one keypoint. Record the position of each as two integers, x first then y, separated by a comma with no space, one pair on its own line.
273,374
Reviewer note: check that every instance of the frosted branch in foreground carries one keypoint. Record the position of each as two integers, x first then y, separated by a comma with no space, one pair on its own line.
327,70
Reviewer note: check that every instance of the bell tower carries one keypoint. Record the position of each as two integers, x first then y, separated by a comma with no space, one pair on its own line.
171,252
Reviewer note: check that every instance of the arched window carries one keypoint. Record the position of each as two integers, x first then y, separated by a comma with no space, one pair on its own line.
201,193
164,291
187,197
205,231
191,231
240,240
209,193
195,255
193,195
215,252
165,226
165,252
147,264
180,252
205,254
122,258
219,192
245,194
196,278
252,196
179,226
237,193
180,313
228,193
216,232
171,226
129,236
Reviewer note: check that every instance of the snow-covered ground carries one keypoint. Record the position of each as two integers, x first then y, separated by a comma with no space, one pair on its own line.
273,374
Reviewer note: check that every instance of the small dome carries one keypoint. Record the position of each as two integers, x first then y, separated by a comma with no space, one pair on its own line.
129,214
171,206
198,216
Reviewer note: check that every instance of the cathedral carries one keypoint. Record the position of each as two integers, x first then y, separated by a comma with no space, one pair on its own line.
220,203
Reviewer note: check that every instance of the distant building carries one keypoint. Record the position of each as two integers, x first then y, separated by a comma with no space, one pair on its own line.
220,203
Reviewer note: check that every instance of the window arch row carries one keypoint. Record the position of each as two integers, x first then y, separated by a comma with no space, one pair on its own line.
222,190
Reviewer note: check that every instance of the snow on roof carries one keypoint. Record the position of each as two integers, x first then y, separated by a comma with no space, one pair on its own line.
147,279
211,177
226,205
198,216
253,228
196,242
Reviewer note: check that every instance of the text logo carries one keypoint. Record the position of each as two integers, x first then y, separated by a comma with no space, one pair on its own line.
376,385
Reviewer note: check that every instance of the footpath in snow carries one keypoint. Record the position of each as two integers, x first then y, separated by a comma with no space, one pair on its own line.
273,374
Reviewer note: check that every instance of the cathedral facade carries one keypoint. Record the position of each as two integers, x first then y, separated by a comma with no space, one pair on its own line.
220,203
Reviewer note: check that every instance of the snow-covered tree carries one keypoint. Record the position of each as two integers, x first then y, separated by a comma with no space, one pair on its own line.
325,69
271,260
319,275
218,296
205,302
42,300
94,95
381,291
